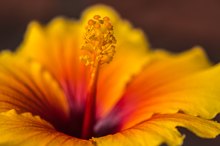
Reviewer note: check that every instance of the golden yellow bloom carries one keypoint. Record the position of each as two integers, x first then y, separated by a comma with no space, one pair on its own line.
102,86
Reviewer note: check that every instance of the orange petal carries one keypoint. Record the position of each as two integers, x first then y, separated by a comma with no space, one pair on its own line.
57,47
161,129
28,130
136,106
27,87
190,87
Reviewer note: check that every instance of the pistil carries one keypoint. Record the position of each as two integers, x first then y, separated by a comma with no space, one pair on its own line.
98,49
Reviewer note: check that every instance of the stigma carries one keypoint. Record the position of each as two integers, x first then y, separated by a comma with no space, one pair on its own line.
99,42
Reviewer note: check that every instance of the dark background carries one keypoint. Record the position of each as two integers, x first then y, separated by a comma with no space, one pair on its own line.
172,24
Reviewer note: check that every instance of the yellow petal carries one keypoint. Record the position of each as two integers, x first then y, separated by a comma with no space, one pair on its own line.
57,47
28,130
26,86
188,86
161,129
197,94
169,67
164,69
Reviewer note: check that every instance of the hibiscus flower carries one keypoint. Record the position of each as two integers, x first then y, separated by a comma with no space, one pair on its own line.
102,85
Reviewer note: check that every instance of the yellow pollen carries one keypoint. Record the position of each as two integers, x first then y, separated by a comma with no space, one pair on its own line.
96,17
106,18
99,45
91,22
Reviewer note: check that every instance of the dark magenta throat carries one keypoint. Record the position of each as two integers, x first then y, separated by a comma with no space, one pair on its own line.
74,127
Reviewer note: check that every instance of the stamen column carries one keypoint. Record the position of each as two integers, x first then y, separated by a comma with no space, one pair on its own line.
98,49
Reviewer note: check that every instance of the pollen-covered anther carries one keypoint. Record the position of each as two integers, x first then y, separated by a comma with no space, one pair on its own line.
99,45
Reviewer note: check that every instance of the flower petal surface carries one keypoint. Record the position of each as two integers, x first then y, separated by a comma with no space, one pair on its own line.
28,130
27,87
180,85
161,129
57,47
136,106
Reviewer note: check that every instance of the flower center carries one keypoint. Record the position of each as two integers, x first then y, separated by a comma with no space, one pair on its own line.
98,49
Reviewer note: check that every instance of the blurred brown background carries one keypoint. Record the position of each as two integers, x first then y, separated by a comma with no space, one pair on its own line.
172,24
